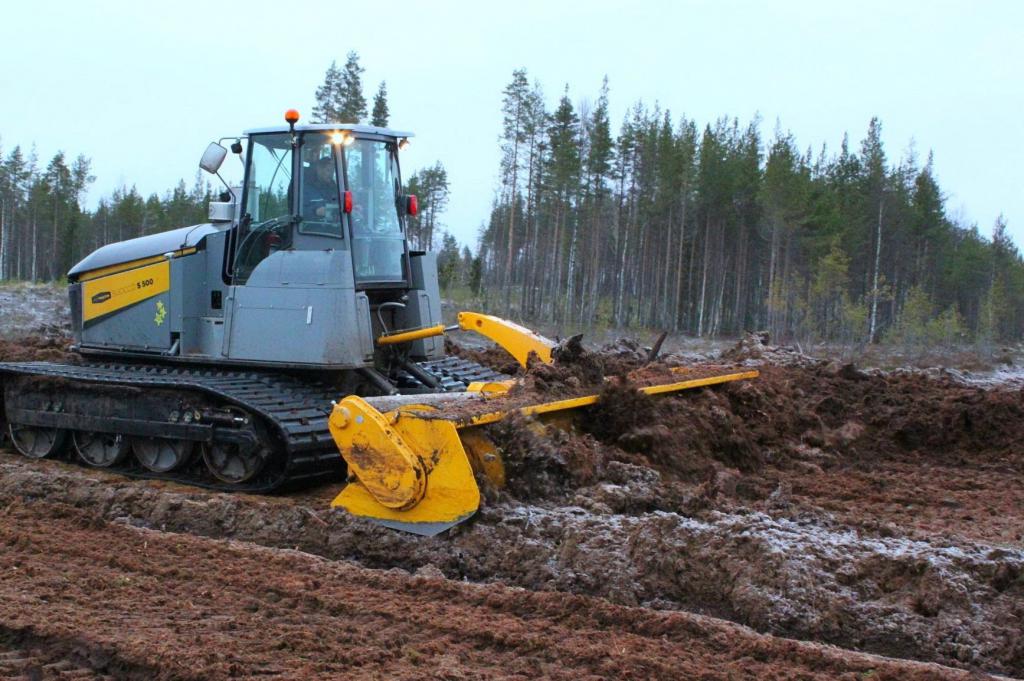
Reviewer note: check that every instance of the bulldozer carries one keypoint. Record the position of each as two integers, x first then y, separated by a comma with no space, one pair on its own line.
293,338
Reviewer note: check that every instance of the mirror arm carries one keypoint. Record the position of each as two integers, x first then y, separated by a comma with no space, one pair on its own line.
234,199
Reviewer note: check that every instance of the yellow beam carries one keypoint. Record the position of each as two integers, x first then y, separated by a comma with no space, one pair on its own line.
408,336
588,400
517,340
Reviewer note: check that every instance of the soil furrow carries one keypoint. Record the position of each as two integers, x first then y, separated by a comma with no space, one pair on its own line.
195,607
950,603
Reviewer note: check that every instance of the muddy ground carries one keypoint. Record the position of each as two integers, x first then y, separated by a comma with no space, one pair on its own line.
700,535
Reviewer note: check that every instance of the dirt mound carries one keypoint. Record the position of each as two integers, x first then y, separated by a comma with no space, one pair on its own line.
545,462
754,349
814,414
828,414
53,348
864,416
685,434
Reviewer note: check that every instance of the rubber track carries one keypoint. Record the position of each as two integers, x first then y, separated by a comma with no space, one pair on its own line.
295,408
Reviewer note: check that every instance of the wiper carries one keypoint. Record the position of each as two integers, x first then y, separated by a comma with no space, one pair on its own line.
276,222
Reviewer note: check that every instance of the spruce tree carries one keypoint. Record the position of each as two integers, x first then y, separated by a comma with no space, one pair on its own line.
380,114
350,101
326,109
601,150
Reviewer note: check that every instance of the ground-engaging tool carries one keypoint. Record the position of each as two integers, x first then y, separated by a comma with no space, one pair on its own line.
247,352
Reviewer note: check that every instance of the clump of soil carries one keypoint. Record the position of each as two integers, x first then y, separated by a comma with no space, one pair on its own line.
542,461
572,370
494,357
575,370
37,349
685,436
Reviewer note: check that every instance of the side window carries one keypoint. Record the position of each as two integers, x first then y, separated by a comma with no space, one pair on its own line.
270,176
267,200
378,245
372,179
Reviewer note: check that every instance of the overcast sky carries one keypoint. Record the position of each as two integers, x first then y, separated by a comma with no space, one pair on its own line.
142,87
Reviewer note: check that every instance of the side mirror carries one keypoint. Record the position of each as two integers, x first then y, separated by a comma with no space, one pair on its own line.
212,158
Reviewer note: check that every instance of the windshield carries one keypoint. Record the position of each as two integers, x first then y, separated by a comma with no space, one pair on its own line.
378,245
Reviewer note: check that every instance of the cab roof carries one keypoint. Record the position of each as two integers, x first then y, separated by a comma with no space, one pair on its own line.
354,127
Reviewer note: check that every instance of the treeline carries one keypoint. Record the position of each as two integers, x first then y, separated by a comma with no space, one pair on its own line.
704,230
715,230
45,228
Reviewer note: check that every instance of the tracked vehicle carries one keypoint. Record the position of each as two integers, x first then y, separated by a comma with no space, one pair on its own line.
246,353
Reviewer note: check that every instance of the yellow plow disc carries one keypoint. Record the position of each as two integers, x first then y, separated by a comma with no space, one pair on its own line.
412,460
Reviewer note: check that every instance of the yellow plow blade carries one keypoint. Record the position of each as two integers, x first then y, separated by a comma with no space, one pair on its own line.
413,460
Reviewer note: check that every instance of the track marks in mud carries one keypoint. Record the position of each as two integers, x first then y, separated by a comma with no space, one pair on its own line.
26,657
955,603
198,608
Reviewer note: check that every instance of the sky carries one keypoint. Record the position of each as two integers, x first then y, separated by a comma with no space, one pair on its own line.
142,88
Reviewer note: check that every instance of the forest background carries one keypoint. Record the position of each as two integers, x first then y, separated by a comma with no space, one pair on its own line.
657,221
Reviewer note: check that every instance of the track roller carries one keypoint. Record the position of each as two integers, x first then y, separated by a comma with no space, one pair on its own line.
101,450
36,442
161,455
232,463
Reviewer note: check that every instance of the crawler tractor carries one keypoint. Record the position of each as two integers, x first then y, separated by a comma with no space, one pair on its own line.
246,353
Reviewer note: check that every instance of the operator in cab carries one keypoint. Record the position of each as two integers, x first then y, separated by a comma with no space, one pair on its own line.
320,193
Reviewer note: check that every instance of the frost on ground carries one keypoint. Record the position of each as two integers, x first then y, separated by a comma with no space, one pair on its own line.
33,310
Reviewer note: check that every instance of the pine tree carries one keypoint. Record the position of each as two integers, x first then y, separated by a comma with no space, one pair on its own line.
448,262
340,98
380,114
514,110
327,97
562,177
350,100
433,201
874,180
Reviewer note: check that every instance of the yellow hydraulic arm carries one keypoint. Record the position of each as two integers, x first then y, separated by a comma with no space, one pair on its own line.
517,340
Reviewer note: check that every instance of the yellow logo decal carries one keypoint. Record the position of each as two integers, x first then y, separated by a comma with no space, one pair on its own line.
161,312
105,295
